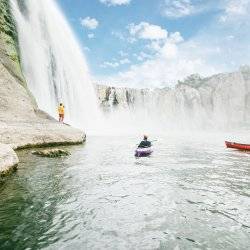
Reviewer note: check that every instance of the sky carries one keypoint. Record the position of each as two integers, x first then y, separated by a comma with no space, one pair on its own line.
155,43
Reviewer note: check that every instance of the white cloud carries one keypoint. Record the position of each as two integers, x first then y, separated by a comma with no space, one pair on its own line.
215,48
182,8
235,10
176,37
124,61
115,2
142,56
90,23
110,65
115,63
178,8
238,7
145,30
172,63
91,35
118,35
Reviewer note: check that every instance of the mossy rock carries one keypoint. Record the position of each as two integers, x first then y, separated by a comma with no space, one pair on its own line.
9,46
9,171
51,153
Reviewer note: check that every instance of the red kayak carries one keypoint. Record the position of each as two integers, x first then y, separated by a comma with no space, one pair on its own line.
237,145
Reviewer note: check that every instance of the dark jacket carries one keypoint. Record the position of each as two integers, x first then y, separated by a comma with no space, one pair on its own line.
144,144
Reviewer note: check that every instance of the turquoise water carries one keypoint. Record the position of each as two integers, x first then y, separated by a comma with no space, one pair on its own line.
187,195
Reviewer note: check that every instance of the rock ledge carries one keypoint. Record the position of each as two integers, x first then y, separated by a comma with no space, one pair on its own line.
8,159
51,153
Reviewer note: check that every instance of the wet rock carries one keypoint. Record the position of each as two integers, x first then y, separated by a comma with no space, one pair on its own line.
51,153
8,159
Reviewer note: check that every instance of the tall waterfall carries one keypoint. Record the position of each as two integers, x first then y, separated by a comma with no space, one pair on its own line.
53,64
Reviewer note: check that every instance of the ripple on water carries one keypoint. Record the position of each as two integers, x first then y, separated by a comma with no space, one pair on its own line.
182,197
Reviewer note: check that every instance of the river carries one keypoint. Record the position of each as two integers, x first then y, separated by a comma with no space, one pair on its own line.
191,193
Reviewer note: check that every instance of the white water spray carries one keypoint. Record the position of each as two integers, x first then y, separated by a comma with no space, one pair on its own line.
55,69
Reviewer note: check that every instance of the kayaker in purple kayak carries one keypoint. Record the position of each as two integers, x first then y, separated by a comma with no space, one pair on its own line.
145,143
144,148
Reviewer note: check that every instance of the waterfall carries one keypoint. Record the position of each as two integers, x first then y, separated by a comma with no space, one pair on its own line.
53,64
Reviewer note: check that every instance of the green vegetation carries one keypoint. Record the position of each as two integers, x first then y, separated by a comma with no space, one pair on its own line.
9,171
9,50
51,153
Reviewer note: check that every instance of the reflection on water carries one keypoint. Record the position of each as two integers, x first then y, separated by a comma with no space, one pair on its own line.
187,195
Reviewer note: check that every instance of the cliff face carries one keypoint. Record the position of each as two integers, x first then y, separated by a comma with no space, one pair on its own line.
21,123
218,101
9,52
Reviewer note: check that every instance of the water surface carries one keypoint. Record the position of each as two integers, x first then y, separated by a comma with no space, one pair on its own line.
187,195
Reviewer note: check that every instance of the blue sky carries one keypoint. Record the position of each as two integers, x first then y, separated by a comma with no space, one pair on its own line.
145,43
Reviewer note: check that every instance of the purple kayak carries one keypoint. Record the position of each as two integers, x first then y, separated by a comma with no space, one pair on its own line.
143,152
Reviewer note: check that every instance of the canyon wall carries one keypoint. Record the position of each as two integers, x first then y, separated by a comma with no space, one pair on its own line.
219,101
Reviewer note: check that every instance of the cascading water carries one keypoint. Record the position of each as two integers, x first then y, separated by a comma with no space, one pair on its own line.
55,69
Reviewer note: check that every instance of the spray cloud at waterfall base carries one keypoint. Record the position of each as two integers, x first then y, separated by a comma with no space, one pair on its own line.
217,103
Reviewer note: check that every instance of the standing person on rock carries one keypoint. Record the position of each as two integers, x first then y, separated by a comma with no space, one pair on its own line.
61,112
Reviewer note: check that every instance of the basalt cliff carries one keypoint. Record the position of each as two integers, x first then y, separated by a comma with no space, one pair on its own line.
219,101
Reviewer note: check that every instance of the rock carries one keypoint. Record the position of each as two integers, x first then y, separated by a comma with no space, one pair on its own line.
9,50
219,101
52,153
8,159
22,124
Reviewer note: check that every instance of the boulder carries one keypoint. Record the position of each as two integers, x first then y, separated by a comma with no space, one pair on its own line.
22,125
8,159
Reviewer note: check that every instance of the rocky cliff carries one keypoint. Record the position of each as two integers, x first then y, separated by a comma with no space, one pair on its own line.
9,51
219,101
22,124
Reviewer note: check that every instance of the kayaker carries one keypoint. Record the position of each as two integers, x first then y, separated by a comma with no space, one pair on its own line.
145,143
61,112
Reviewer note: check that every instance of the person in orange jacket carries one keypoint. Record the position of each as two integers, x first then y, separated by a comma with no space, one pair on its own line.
61,112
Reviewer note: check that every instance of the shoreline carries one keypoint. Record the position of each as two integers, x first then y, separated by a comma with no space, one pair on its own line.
9,159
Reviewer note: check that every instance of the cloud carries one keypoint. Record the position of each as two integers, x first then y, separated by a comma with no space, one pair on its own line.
115,63
145,30
235,11
118,35
166,58
239,7
91,36
115,2
89,23
172,62
216,48
142,56
175,9
107,64
178,8
124,61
